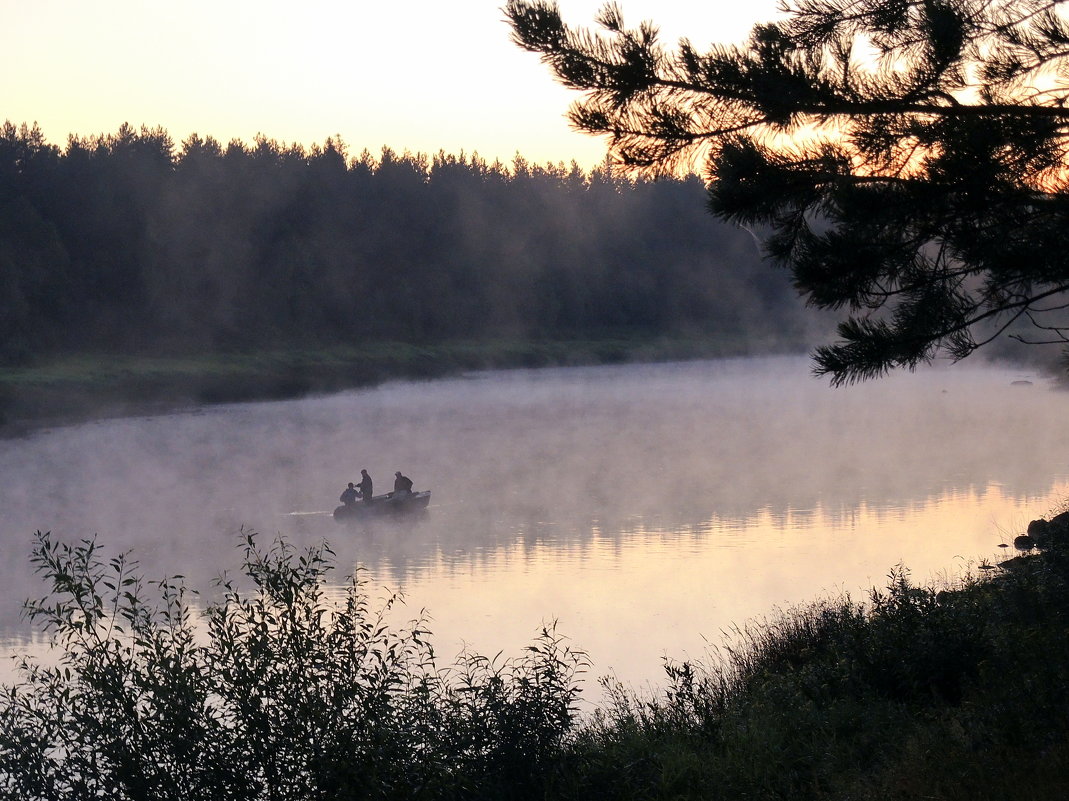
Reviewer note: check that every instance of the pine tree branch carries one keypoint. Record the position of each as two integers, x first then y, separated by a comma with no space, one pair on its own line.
935,173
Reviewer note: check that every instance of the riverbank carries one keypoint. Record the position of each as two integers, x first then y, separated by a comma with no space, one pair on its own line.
87,386
954,694
951,693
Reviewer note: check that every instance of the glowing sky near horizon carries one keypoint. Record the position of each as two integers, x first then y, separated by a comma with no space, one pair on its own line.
424,76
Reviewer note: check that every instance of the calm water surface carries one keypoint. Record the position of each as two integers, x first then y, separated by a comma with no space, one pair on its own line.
645,509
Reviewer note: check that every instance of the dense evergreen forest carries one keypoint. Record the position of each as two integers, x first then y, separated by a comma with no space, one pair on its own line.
129,243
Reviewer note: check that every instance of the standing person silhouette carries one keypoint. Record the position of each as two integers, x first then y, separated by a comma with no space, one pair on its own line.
366,486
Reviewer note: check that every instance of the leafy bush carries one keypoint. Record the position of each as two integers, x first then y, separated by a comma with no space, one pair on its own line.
277,690
289,688
944,694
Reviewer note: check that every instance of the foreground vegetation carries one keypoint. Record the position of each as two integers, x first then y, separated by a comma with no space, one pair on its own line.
282,689
279,692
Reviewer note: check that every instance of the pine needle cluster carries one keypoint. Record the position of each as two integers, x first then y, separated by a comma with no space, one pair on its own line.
907,158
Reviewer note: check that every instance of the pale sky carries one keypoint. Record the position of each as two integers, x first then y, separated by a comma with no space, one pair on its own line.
423,75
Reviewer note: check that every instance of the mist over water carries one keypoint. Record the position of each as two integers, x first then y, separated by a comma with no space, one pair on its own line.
646,508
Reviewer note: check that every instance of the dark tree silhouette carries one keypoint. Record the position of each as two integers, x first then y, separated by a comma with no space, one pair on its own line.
907,156
125,243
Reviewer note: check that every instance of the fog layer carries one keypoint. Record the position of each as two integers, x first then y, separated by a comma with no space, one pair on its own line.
605,469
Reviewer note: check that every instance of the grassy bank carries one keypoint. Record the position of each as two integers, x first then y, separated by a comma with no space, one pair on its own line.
92,385
916,693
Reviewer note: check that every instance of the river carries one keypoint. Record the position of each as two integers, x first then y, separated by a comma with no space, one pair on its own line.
646,509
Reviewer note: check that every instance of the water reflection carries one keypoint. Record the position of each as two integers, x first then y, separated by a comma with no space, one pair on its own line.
645,507
631,600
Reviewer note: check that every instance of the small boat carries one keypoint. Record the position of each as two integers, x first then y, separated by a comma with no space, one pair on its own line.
384,505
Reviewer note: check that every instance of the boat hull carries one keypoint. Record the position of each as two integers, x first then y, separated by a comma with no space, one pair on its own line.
383,506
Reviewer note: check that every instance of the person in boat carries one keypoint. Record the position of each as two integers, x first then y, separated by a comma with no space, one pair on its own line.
402,486
365,487
349,495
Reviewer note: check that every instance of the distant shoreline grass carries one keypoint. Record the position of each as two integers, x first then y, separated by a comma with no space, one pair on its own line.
78,387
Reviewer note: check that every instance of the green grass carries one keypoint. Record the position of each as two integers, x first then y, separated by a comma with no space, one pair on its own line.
81,386
917,694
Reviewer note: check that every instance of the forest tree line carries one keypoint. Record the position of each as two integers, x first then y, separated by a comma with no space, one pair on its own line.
129,243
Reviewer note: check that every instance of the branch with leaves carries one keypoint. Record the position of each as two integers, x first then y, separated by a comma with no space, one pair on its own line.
863,136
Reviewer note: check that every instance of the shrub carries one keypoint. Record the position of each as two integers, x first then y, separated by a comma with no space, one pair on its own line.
277,690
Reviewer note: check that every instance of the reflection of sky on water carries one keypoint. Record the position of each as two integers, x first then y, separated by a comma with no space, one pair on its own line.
644,507
631,600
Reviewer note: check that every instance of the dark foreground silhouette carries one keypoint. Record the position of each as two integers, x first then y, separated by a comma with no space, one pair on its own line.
282,689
